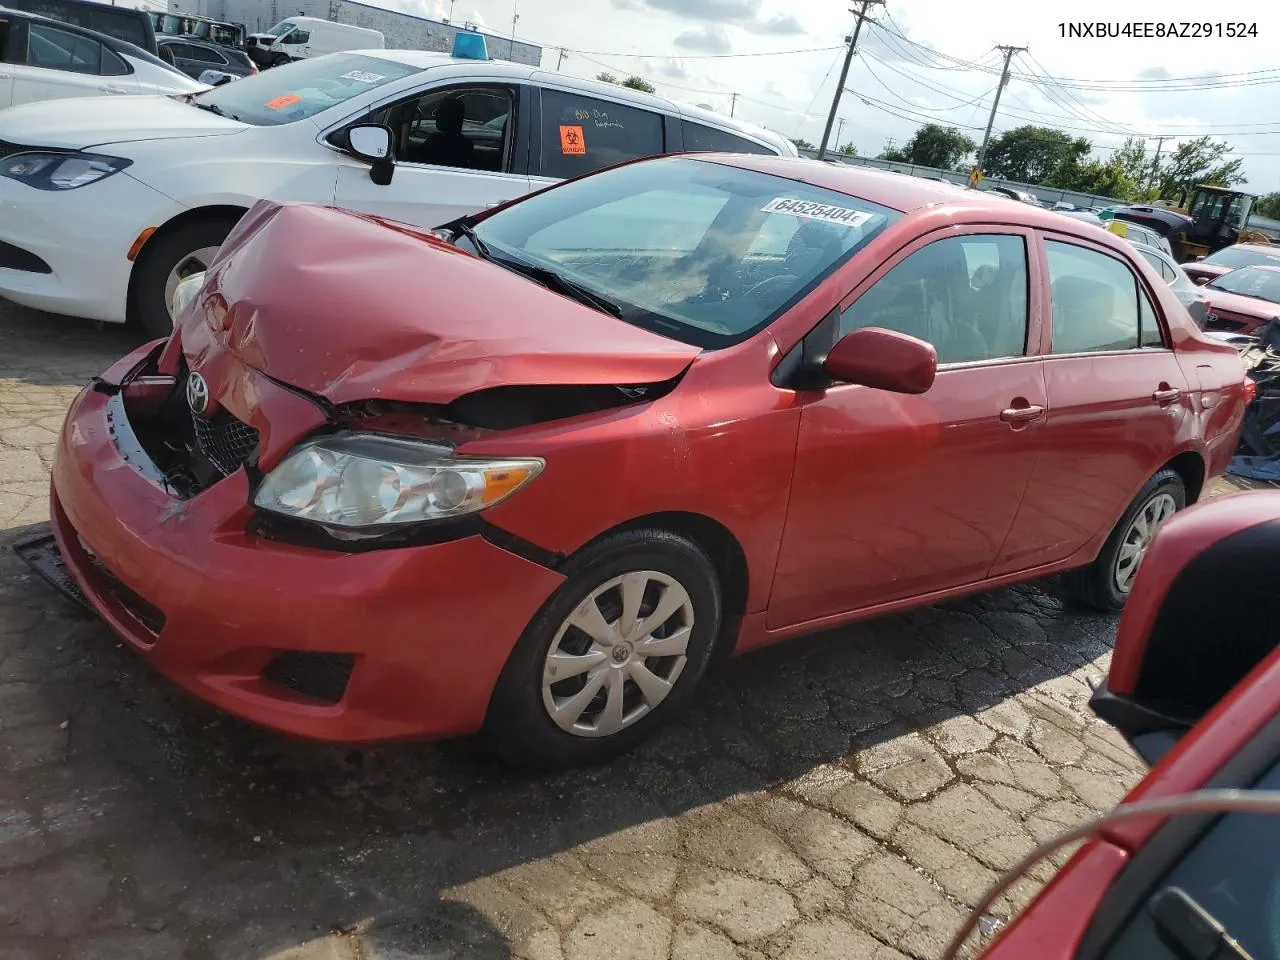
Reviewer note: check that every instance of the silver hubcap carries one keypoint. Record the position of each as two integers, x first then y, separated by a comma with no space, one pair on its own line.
1139,536
618,654
197,261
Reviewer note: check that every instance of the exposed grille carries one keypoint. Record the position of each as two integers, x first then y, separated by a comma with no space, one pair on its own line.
225,441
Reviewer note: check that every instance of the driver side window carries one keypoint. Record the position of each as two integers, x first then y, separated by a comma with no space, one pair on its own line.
468,128
966,295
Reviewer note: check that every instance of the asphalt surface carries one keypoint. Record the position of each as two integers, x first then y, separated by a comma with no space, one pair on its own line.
845,795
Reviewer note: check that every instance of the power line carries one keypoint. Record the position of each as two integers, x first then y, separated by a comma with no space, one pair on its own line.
667,55
995,105
924,83
844,72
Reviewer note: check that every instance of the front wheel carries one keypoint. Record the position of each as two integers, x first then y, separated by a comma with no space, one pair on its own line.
168,260
611,655
1105,584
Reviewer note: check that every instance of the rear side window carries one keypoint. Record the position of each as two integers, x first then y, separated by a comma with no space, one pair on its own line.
581,134
54,49
122,24
1096,301
204,54
113,65
709,139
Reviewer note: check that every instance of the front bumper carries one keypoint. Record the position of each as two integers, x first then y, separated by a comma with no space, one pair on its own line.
426,630
83,236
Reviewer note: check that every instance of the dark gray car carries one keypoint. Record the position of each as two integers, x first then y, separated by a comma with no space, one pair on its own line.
193,57
1191,296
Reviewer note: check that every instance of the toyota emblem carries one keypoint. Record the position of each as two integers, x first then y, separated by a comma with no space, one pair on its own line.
197,394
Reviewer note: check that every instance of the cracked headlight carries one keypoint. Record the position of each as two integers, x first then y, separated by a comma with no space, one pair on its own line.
365,480
185,292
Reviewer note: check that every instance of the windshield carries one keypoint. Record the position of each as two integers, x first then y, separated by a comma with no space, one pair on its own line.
300,90
280,29
1251,282
1240,257
699,251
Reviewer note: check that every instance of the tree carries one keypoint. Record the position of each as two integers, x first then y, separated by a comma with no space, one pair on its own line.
849,150
606,77
639,83
1030,154
802,144
933,145
1199,161
1108,179
1268,206
1132,159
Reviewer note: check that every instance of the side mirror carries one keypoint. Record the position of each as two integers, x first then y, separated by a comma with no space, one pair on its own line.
883,359
1201,281
374,142
1198,259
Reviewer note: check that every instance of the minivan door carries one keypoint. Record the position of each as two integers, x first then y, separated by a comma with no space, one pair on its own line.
459,150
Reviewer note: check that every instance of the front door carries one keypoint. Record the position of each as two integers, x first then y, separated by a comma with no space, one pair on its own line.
899,496
1117,402
456,153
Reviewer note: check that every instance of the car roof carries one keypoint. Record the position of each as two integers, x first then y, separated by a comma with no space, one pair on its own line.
119,46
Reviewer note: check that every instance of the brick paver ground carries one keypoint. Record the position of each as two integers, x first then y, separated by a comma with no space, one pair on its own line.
841,796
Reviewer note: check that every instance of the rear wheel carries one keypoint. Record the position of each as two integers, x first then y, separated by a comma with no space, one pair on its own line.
611,655
1105,584
166,261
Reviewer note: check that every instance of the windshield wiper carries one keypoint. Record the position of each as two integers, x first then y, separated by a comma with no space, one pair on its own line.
467,231
214,108
553,281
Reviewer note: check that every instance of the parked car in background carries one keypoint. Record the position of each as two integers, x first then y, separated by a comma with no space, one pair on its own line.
118,22
48,60
194,57
1084,216
201,28
196,165
1244,300
747,326
1020,195
1189,295
1232,258
302,38
1194,685
1136,233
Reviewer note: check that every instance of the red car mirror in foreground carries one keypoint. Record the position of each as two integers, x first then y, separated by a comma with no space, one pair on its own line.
883,359
1195,686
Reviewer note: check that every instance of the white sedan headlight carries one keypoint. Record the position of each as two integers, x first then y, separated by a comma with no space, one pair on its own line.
365,480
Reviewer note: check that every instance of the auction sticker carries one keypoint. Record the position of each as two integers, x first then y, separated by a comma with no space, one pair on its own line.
279,103
826,212
360,76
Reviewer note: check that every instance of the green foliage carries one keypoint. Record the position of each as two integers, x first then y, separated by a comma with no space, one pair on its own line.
606,77
1031,154
849,150
934,145
639,83
803,144
1268,206
1108,179
1199,161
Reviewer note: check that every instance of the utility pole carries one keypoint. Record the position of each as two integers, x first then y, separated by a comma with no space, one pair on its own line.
840,132
888,144
733,104
1004,79
560,62
515,18
844,73
1155,163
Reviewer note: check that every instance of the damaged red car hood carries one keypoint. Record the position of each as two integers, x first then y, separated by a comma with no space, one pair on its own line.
1240,304
351,308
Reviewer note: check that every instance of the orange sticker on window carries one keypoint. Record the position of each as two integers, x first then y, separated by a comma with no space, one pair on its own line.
279,103
572,142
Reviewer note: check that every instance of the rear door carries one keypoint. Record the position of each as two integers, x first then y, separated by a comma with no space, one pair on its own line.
60,63
1117,402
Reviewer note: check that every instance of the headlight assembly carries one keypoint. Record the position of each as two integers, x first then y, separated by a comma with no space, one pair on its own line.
362,480
184,293
60,171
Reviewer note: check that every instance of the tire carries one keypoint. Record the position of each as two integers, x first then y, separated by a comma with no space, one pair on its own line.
150,306
1098,585
519,726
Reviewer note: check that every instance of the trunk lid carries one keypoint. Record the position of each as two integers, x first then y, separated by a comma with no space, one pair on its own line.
350,307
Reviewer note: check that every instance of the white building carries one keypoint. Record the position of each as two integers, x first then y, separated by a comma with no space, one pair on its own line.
403,31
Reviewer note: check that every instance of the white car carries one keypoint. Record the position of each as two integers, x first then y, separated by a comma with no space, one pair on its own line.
50,60
108,205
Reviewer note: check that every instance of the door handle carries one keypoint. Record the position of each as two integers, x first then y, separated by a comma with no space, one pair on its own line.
112,88
1022,414
6,76
1166,395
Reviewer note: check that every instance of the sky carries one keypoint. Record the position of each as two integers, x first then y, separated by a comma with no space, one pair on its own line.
914,65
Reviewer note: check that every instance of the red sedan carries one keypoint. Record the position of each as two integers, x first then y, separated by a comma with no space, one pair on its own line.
1231,258
528,472
1245,300
1197,645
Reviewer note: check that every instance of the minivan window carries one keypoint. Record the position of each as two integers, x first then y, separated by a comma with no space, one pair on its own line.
675,243
581,134
55,49
700,138
297,91
120,23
